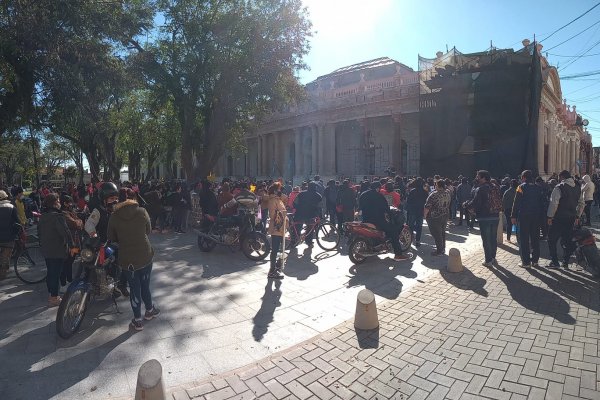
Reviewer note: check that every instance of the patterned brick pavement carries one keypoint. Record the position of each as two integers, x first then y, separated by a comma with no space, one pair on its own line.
500,333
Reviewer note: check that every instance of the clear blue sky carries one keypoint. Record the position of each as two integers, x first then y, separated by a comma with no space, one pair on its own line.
351,31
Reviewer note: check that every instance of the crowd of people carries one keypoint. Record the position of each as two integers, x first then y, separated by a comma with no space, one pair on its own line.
535,209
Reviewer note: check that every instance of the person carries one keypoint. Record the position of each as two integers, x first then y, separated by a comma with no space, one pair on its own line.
588,197
508,199
487,204
154,208
275,202
391,196
75,225
291,198
20,205
330,194
36,199
463,194
208,200
345,204
415,205
526,210
97,223
436,212
8,232
223,198
308,207
566,206
129,226
375,210
539,181
56,244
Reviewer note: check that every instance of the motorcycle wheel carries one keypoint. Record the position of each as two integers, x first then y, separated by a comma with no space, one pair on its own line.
328,237
71,311
256,246
356,247
206,245
406,238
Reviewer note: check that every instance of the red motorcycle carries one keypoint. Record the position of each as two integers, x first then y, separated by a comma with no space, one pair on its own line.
366,240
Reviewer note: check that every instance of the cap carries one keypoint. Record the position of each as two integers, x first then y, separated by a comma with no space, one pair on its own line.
3,195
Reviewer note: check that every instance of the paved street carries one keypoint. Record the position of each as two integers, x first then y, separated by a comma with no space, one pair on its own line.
224,332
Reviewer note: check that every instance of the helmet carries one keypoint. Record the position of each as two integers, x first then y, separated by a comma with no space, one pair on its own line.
107,189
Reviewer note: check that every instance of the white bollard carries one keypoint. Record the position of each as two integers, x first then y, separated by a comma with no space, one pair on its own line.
366,311
150,382
500,228
454,261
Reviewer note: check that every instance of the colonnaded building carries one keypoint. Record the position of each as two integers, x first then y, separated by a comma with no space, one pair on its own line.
500,110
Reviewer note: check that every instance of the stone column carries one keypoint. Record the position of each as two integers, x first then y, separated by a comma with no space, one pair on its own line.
397,143
259,155
276,166
299,153
315,146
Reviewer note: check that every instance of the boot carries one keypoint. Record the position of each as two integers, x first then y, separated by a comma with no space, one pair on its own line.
275,272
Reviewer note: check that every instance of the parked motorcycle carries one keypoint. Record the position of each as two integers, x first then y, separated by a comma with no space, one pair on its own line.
366,240
586,251
242,229
96,274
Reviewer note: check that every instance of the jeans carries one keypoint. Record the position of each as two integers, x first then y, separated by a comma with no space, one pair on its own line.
299,224
392,232
139,289
66,274
437,228
54,267
276,242
561,228
509,224
415,223
332,213
588,212
489,233
529,232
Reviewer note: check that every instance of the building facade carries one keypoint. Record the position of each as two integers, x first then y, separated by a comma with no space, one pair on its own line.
358,120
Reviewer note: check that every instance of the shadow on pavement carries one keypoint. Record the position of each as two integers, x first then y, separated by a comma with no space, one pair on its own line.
578,289
367,339
466,280
300,265
380,277
534,298
264,316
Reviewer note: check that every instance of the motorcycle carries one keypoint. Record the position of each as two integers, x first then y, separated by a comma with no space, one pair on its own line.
96,275
586,252
366,240
242,229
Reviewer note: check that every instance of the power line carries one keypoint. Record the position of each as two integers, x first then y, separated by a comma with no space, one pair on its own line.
581,75
574,36
569,63
569,23
560,55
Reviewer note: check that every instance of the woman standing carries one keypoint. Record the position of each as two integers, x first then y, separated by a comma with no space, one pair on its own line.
55,243
436,213
75,225
275,202
129,226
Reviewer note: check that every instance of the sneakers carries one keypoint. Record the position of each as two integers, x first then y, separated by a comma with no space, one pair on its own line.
54,301
151,314
487,264
535,264
553,265
275,274
437,253
523,265
565,265
401,257
137,324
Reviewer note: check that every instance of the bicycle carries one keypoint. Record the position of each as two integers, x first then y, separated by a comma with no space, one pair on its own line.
327,235
29,263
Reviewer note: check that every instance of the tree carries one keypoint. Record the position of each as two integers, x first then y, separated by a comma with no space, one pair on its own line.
224,64
15,158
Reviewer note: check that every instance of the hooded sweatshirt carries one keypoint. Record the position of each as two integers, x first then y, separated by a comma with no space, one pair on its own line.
129,225
588,188
566,200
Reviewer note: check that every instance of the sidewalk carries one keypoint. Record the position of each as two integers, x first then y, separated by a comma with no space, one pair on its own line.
500,333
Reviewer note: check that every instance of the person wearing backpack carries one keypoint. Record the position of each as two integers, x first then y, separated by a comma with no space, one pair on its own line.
526,211
487,205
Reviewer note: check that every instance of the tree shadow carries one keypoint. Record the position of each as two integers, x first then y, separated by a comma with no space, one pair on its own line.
33,375
466,280
367,339
584,292
264,316
534,298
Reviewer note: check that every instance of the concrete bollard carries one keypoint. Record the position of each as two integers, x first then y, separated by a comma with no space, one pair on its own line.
149,382
501,228
366,311
454,261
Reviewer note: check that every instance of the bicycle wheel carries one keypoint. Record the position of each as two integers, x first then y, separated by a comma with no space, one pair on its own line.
328,237
30,265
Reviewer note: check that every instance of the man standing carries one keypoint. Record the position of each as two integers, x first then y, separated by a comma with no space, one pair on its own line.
307,205
526,211
463,194
587,191
566,205
8,232
487,205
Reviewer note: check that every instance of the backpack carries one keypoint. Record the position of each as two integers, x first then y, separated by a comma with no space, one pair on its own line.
494,199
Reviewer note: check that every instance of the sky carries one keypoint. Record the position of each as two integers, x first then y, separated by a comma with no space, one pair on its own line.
351,31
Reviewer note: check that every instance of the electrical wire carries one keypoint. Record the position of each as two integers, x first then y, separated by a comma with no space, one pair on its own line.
574,36
581,75
569,63
569,23
560,55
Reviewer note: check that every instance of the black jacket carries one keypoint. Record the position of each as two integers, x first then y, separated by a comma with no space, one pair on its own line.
307,204
415,201
8,221
529,201
374,208
54,234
